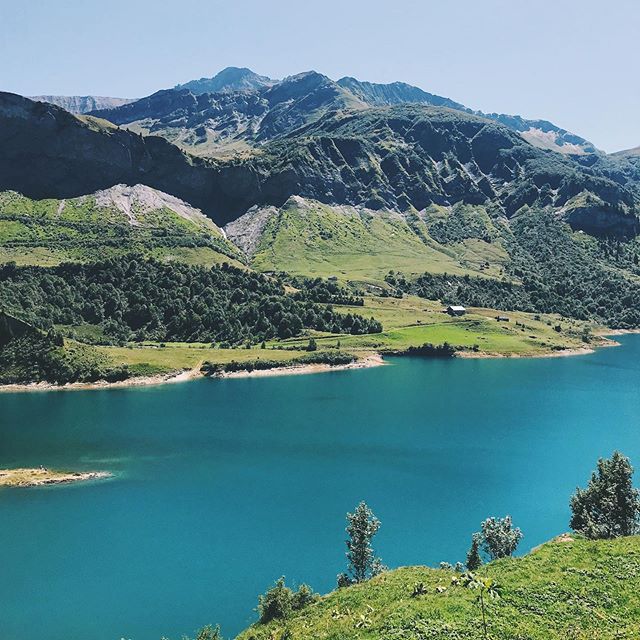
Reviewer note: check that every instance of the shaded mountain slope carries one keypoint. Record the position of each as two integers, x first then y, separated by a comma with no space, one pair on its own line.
401,158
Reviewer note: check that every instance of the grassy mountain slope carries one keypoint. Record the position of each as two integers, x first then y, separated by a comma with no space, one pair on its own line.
106,223
577,589
305,237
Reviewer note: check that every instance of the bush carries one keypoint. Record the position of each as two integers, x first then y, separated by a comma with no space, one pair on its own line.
498,538
279,602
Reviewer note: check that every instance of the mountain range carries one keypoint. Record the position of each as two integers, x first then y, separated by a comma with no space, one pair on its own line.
238,106
306,174
310,137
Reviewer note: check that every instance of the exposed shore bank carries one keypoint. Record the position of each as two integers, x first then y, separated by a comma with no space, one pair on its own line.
370,360
40,477
141,381
373,360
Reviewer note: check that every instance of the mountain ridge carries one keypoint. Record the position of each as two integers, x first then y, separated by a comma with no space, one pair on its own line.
399,157
193,119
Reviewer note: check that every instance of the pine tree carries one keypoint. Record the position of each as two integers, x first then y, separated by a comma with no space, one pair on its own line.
363,564
474,561
609,507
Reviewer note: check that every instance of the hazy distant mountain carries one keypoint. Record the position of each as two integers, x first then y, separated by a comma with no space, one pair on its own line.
229,79
627,153
83,104
380,95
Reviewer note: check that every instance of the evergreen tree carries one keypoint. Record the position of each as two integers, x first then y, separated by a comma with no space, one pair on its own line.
362,525
474,561
609,507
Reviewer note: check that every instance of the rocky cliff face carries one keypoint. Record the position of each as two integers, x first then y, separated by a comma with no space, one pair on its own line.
401,158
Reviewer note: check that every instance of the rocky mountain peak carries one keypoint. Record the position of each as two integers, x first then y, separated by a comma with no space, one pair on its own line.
228,80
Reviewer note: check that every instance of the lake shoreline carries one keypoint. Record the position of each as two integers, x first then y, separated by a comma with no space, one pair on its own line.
372,360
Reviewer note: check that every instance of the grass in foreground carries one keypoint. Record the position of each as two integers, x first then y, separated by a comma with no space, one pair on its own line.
576,590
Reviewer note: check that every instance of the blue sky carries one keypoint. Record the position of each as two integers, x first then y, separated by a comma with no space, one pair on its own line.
574,62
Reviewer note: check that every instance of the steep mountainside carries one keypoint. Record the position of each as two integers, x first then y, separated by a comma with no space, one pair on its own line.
209,125
83,104
401,158
229,79
109,222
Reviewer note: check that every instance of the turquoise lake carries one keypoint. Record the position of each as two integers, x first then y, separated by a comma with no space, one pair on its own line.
224,485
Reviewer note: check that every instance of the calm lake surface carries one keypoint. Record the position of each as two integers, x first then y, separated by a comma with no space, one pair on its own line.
224,485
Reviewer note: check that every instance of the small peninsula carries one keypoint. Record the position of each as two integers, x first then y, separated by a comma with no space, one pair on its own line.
41,476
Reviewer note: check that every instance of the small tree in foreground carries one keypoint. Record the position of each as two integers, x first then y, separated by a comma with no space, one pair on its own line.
609,507
486,588
474,561
279,602
362,525
498,537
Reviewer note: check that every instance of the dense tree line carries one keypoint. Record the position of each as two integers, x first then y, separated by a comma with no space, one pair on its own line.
550,272
132,298
37,356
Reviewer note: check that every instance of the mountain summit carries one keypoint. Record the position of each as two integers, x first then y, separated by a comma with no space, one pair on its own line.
229,79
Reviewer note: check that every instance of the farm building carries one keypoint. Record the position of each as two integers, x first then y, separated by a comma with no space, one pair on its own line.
456,310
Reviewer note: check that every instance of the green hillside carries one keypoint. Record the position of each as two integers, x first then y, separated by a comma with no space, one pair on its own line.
108,223
306,237
566,589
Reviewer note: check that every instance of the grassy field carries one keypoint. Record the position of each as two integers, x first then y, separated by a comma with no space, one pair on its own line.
410,321
312,239
569,590
152,358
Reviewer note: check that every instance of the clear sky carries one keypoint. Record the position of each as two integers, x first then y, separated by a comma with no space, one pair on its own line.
574,62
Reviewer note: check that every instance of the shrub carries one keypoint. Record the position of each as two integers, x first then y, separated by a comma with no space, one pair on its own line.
279,602
499,538
474,561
